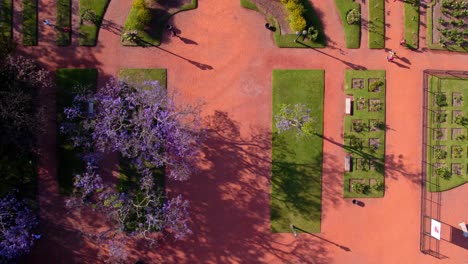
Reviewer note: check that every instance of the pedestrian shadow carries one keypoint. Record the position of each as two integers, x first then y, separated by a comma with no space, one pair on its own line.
347,63
405,60
400,65
187,41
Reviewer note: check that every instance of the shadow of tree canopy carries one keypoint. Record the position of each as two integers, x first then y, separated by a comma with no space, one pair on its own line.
296,188
230,204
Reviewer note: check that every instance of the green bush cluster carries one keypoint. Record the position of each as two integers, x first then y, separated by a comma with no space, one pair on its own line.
440,154
143,13
378,186
375,85
360,188
443,172
353,16
441,99
295,8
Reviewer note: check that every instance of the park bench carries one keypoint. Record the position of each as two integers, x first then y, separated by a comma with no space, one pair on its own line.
348,106
464,229
90,107
347,163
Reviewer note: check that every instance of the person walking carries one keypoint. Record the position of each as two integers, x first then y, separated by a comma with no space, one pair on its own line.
46,22
171,28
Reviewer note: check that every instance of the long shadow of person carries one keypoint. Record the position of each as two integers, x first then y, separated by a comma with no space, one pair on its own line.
187,41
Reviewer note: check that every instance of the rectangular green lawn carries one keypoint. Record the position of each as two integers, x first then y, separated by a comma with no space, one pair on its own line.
352,32
448,86
69,163
297,161
89,32
63,21
412,24
150,35
29,22
368,156
128,175
6,18
376,24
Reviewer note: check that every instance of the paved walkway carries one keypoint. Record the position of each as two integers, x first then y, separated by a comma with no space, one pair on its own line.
229,65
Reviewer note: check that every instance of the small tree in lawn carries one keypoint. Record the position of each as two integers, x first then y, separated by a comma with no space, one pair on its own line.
295,117
89,15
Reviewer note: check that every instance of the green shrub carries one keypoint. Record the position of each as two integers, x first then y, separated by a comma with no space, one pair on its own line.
441,99
440,154
353,16
139,4
373,87
457,152
441,117
296,19
312,33
297,23
144,16
461,120
360,188
378,186
443,172
89,15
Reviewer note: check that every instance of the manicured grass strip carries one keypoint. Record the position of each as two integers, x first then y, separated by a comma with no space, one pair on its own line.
376,24
150,34
128,175
69,163
352,32
448,86
364,156
297,161
29,22
412,24
63,21
89,31
142,75
249,5
6,19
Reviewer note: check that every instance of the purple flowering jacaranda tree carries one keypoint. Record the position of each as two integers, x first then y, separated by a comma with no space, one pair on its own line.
16,223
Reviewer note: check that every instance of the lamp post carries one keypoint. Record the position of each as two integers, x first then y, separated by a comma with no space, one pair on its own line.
292,226
298,34
304,33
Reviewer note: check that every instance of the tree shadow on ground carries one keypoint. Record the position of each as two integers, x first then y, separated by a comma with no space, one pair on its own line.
296,187
230,204
394,166
112,27
347,63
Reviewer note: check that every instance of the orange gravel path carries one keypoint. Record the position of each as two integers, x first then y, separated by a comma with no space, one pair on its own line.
229,65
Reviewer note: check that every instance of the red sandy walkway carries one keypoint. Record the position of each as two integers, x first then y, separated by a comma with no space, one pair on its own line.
230,68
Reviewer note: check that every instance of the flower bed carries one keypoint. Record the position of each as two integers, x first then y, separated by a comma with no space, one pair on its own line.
364,133
447,146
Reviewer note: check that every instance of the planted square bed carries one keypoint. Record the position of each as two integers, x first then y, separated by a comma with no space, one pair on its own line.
365,132
447,145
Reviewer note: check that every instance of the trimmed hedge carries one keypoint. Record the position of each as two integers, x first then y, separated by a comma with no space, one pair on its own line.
412,24
29,22
6,19
63,20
